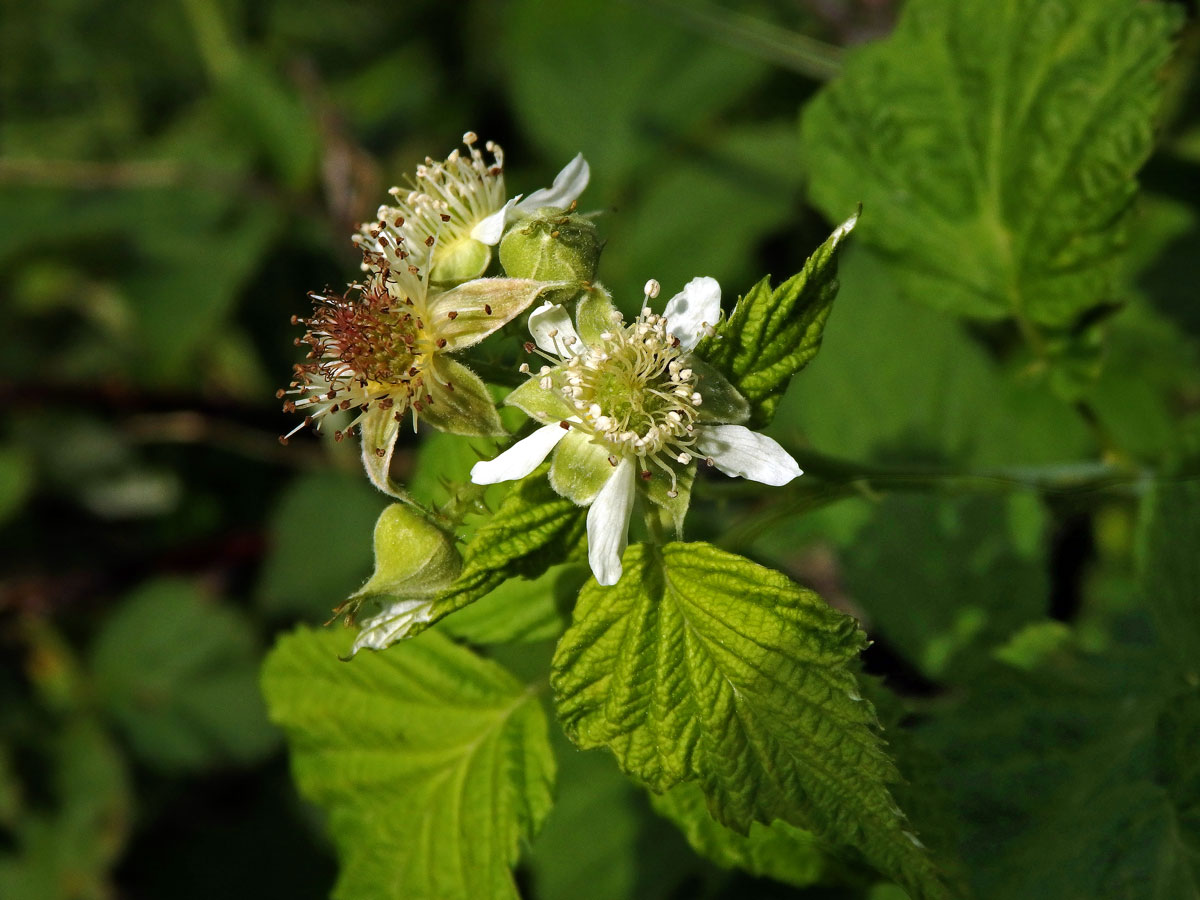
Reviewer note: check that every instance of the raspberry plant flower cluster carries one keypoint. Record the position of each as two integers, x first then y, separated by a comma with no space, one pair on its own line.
697,669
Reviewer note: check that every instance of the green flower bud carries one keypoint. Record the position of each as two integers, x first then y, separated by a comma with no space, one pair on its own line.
413,558
551,245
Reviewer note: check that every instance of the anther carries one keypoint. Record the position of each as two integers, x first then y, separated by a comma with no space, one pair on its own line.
651,289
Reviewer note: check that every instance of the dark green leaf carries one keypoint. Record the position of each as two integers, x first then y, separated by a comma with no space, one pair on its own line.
178,673
1171,571
994,144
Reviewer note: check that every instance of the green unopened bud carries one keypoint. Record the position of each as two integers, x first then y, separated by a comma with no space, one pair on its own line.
551,245
413,557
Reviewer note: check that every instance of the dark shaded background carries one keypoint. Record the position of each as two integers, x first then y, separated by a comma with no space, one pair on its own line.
175,176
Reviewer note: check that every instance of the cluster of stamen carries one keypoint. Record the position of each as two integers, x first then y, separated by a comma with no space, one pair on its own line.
445,201
367,349
633,392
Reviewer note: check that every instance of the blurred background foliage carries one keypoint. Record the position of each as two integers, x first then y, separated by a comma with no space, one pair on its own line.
175,176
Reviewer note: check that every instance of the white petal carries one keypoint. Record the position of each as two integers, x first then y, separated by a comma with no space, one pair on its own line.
393,624
568,185
552,330
697,305
520,459
491,229
738,451
608,524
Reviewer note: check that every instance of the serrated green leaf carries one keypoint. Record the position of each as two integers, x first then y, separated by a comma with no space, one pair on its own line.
699,665
774,333
432,763
994,144
178,673
1171,571
778,851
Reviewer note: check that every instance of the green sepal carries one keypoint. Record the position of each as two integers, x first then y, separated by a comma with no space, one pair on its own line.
466,315
579,468
542,404
552,245
773,334
378,430
594,314
676,507
722,402
461,403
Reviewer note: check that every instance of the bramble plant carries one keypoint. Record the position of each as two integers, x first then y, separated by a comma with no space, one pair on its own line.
730,692
690,663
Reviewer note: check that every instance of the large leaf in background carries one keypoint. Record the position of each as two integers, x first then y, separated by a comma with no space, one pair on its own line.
699,665
1171,571
744,181
994,145
199,253
16,481
432,763
178,674
320,544
965,584
615,80
67,852
901,382
1138,837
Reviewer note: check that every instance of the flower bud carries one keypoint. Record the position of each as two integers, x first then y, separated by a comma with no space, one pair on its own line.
413,557
551,245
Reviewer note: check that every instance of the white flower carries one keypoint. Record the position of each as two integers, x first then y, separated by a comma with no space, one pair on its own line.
455,211
629,405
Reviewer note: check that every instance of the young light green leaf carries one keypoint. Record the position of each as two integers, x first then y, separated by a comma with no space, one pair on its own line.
699,665
780,851
774,333
432,763
178,674
995,144
1171,571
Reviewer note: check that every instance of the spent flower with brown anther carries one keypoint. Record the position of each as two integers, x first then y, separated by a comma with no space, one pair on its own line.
382,350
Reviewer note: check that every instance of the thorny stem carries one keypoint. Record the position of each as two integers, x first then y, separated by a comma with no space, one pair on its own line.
787,49
828,479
